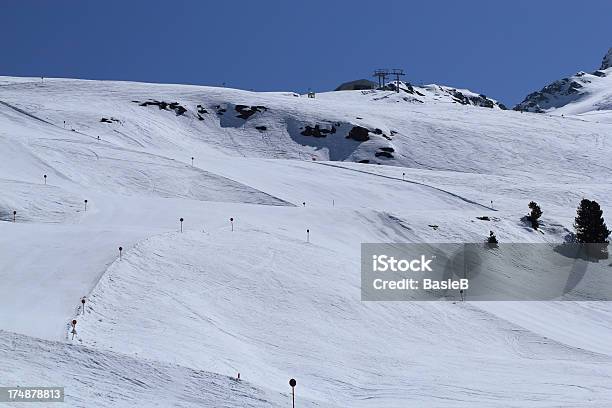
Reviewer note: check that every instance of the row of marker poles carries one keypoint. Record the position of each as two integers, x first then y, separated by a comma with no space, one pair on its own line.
181,221
45,178
73,323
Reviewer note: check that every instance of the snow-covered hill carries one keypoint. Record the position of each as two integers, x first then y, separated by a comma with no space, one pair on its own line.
585,95
180,313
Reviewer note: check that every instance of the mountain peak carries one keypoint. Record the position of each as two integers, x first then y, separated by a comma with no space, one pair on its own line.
607,60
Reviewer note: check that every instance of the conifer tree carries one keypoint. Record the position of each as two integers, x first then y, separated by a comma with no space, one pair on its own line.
590,226
492,240
535,214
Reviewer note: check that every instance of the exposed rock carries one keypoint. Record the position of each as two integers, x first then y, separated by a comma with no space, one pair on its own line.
359,134
317,131
403,87
545,98
175,106
607,60
384,154
480,100
563,91
245,112
109,120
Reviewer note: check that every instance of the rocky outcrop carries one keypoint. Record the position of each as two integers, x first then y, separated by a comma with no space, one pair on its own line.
476,100
564,91
359,134
109,120
317,131
175,106
607,60
245,112
547,97
357,85
403,87
386,152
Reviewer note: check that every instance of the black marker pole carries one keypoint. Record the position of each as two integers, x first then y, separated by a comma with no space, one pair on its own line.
74,322
292,383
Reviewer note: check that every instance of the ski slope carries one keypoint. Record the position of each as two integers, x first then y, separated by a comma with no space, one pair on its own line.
181,313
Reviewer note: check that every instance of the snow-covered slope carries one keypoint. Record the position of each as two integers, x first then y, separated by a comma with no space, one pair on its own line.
440,93
180,313
586,95
107,379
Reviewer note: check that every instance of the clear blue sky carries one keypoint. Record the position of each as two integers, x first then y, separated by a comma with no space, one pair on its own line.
504,49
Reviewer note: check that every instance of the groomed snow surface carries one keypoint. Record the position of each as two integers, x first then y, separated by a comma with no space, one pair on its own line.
174,320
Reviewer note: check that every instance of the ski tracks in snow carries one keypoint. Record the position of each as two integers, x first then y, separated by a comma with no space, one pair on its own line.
457,196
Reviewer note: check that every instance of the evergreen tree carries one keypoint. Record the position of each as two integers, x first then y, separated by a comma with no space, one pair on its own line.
492,240
590,225
535,214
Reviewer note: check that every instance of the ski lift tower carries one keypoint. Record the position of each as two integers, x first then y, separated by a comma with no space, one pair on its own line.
398,73
381,74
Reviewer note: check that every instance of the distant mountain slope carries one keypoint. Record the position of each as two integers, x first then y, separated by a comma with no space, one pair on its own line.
585,94
358,84
431,127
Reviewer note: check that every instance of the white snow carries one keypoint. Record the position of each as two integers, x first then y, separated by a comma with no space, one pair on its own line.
181,313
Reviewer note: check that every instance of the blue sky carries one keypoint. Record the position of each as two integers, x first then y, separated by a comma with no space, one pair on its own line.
504,49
